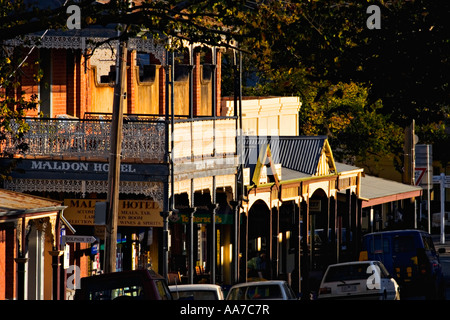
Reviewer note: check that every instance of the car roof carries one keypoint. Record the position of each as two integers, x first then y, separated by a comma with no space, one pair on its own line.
108,277
353,263
397,232
256,283
186,287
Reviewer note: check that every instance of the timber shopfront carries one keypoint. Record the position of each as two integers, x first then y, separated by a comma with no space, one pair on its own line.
80,185
139,224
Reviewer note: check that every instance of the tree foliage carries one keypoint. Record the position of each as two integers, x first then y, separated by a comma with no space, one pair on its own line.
404,65
200,21
352,123
13,107
218,22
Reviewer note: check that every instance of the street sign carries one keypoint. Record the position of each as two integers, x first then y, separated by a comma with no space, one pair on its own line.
85,239
443,180
423,162
66,260
437,180
94,249
419,173
447,181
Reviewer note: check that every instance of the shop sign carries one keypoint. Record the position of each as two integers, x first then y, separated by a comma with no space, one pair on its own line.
203,218
77,166
132,213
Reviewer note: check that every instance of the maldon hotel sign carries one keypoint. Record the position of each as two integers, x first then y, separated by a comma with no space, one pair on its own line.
77,166
132,213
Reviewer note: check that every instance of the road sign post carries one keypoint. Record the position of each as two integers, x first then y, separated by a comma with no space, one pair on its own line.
78,239
444,182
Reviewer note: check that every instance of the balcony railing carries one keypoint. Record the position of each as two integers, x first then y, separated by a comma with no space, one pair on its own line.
142,139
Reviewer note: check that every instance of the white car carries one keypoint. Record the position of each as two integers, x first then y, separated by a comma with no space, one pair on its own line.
358,280
261,290
196,292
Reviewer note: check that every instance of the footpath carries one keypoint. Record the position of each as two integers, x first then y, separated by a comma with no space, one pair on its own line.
445,245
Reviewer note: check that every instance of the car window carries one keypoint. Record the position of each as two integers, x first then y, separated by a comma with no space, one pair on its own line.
378,245
264,292
163,290
347,272
383,271
195,295
125,292
428,243
403,244
236,294
290,294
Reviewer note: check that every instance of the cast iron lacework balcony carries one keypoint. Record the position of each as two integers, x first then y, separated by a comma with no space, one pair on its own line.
143,138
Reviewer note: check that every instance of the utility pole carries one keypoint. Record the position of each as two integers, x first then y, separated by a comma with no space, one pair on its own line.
168,159
114,159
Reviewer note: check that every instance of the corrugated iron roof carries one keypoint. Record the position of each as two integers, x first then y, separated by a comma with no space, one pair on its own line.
299,153
375,189
11,201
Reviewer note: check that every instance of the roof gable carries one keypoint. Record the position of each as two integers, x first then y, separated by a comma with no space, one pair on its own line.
308,155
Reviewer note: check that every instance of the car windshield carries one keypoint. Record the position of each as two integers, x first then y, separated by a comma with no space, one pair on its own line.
347,272
271,291
128,292
195,295
264,292
131,288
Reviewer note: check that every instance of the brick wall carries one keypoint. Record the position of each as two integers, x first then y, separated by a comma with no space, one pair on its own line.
70,85
72,79
131,80
59,82
27,81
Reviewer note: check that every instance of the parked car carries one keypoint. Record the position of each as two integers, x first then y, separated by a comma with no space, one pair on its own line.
359,280
261,290
196,292
410,256
126,285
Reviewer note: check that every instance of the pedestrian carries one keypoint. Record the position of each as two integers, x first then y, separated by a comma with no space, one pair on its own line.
252,267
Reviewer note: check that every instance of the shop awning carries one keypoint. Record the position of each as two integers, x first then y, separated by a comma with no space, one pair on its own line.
14,205
376,191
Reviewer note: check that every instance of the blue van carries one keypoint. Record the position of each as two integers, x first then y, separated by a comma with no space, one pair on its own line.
410,257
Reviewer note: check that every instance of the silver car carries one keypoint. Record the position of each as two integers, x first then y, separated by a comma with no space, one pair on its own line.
261,290
358,280
196,292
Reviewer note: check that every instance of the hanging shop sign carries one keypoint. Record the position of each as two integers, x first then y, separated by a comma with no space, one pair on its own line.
132,213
